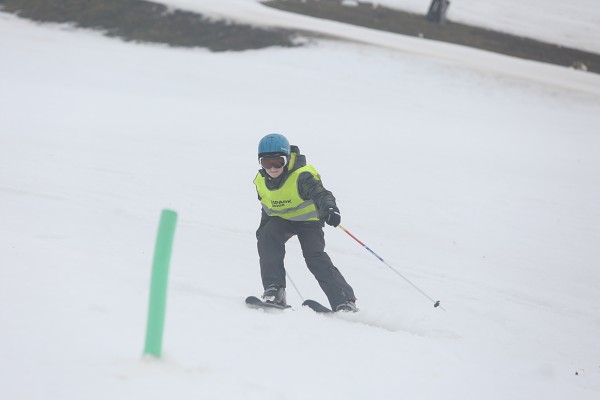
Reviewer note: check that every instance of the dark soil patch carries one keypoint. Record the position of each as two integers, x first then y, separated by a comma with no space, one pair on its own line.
391,20
144,21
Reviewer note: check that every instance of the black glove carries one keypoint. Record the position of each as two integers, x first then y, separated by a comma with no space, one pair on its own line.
333,217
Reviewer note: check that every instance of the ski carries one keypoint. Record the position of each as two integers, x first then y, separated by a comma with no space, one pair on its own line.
255,302
317,307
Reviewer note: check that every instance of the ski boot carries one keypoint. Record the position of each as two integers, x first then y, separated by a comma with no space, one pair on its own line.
347,306
275,295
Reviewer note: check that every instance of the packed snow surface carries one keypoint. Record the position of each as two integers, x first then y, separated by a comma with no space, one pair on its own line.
479,184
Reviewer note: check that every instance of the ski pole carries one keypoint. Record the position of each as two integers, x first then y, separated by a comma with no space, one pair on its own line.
435,303
294,285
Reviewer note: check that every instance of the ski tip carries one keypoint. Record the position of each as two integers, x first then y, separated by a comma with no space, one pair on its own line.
316,306
252,300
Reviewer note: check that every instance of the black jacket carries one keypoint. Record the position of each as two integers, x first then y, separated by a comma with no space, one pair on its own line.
309,188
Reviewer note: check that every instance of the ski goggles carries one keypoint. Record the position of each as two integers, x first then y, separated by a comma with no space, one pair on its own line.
273,161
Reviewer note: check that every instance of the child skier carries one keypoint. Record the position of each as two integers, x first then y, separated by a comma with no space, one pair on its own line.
294,202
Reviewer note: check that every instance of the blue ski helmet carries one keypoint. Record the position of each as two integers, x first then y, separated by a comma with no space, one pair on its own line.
274,143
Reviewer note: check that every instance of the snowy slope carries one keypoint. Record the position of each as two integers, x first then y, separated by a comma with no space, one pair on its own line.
574,23
252,12
480,187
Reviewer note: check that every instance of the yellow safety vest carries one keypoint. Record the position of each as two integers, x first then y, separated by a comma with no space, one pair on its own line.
286,202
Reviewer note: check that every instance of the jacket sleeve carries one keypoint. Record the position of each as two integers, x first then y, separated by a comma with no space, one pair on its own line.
310,188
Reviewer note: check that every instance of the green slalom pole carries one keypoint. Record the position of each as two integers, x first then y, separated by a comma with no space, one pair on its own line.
158,284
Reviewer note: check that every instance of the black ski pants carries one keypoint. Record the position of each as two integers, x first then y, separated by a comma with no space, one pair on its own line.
272,237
